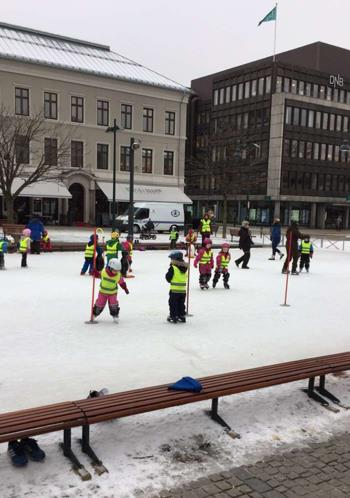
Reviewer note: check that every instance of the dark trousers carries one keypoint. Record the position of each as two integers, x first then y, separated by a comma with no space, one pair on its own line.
204,278
244,259
225,277
2,260
88,265
274,247
35,247
304,261
173,244
177,304
24,260
294,256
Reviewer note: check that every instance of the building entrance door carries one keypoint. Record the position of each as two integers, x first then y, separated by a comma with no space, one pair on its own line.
76,204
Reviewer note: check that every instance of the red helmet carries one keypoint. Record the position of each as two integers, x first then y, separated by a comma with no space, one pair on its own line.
207,241
225,244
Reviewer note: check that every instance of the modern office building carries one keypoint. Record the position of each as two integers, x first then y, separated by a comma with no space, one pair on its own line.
82,86
270,137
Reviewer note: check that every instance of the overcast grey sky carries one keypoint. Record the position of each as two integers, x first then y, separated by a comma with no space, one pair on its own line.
186,39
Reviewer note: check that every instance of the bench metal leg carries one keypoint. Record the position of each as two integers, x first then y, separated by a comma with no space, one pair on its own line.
215,416
310,391
86,448
322,390
67,451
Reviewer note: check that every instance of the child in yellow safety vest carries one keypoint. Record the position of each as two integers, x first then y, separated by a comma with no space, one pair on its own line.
174,235
222,262
306,251
206,263
24,246
89,256
46,242
177,277
113,246
111,278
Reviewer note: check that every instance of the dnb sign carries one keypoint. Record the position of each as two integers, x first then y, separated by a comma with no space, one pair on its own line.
336,80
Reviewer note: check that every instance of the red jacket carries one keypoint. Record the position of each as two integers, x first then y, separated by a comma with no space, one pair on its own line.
204,267
219,261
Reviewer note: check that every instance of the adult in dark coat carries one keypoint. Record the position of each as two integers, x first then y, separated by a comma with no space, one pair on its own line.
36,232
245,243
205,227
276,238
292,236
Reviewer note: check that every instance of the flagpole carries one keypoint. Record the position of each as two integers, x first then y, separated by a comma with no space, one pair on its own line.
275,37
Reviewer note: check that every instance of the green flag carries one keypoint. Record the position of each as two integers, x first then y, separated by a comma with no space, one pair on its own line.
271,16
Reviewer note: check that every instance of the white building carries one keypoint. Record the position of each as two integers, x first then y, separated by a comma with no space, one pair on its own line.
86,86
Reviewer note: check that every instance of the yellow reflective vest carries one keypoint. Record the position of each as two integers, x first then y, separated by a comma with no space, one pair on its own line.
305,247
23,245
109,283
45,238
179,281
2,243
224,261
89,251
205,226
206,257
173,235
112,247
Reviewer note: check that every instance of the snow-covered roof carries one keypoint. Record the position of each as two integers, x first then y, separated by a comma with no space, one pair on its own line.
39,47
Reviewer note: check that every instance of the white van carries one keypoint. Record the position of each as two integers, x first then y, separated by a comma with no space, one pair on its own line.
163,214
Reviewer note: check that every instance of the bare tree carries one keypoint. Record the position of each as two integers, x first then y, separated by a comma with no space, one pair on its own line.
46,161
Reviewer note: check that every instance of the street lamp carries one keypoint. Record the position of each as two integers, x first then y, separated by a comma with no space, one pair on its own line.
133,146
113,129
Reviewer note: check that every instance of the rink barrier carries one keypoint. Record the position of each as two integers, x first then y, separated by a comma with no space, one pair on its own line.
83,413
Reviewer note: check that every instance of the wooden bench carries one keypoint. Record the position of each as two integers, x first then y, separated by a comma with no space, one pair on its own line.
12,229
83,413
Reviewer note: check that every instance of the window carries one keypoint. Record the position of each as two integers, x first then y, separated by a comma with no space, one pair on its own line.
327,184
331,122
268,84
286,149
102,112
22,101
341,183
228,94
77,154
124,158
77,109
254,88
342,96
234,93
316,151
318,119
239,121
286,85
296,116
294,149
322,91
336,153
148,119
307,181
314,181
301,154
240,91
311,117
126,116
315,90
168,162
279,82
308,88
169,123
261,86
308,150
222,96
147,160
339,122
247,89
320,182
288,115
102,156
329,93
22,149
303,117
330,152
50,151
294,86
325,121
245,119
50,105
335,95
323,152
216,97
345,123
301,88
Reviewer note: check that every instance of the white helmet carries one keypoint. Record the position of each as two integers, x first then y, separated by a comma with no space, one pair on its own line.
115,264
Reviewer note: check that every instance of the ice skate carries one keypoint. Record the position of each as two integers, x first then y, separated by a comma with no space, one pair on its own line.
170,319
181,319
206,286
115,319
285,272
226,286
272,258
214,284
295,272
281,255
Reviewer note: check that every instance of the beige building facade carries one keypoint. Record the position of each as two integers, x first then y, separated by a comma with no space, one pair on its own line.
83,92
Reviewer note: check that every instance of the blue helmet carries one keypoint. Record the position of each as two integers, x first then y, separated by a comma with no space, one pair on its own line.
176,255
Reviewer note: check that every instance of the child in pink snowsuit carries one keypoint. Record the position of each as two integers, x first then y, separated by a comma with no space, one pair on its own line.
111,279
222,262
206,263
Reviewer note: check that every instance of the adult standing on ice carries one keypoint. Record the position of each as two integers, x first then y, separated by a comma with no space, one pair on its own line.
36,232
177,276
205,228
245,244
205,261
292,237
276,238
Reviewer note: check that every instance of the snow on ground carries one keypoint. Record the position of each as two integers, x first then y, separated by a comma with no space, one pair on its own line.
48,354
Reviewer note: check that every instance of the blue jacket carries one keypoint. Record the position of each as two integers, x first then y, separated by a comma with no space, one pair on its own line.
3,244
36,227
276,231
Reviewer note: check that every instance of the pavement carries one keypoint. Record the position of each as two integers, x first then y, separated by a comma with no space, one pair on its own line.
321,470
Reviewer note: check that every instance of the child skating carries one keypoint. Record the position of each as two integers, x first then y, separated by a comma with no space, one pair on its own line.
3,251
113,246
205,261
45,243
177,277
174,235
111,279
24,246
306,252
222,262
89,255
